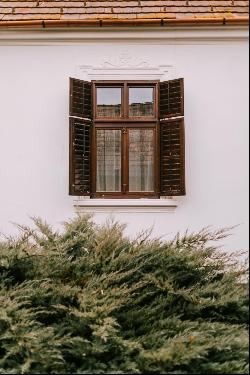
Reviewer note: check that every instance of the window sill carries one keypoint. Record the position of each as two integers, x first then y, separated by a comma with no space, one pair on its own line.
84,204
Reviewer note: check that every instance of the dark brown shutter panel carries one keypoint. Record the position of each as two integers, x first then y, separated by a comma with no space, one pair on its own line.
172,160
80,131
79,156
80,98
172,98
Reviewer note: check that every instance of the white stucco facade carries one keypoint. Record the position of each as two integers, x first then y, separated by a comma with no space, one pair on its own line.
35,68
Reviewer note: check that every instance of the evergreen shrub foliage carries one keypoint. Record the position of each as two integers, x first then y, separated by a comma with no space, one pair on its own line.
90,301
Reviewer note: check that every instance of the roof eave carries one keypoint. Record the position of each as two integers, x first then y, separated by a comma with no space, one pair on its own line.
164,22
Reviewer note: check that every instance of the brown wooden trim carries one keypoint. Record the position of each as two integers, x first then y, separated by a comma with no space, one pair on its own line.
125,103
155,160
157,149
125,120
124,124
183,96
115,82
163,22
183,176
123,100
70,94
94,99
71,159
158,140
93,160
125,162
91,155
125,85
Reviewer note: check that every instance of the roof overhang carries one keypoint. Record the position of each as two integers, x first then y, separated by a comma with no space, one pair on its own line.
126,23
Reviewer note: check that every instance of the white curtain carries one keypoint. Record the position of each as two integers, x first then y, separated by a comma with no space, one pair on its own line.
141,160
108,161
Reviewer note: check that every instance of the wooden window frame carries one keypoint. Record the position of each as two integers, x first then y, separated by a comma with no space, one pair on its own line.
124,123
125,100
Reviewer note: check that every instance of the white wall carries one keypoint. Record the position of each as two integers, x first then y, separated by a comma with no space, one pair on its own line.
34,131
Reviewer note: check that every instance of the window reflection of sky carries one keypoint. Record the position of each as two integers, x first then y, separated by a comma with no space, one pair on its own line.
140,95
108,95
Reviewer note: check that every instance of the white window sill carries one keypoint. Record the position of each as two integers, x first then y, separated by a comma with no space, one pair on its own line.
84,204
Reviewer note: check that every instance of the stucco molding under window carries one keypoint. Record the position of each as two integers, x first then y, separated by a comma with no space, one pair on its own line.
143,205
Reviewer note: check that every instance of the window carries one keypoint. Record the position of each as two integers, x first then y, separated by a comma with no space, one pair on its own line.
108,102
126,139
141,102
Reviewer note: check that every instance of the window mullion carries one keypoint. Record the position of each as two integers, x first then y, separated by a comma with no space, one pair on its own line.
125,179
125,101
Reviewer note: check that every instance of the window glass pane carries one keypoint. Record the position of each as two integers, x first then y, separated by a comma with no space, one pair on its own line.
108,101
108,177
141,160
141,101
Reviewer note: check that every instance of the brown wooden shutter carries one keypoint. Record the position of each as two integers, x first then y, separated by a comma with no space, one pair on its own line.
80,137
80,98
172,98
79,156
172,138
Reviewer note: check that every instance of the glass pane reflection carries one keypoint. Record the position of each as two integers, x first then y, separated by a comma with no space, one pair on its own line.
141,101
108,101
141,160
108,161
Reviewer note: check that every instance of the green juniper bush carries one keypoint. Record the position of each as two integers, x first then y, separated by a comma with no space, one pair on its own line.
89,300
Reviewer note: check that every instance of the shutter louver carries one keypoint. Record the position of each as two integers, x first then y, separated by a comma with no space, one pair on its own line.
80,98
172,158
172,98
172,138
80,134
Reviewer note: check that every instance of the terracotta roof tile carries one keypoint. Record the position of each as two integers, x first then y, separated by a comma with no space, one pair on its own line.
119,9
